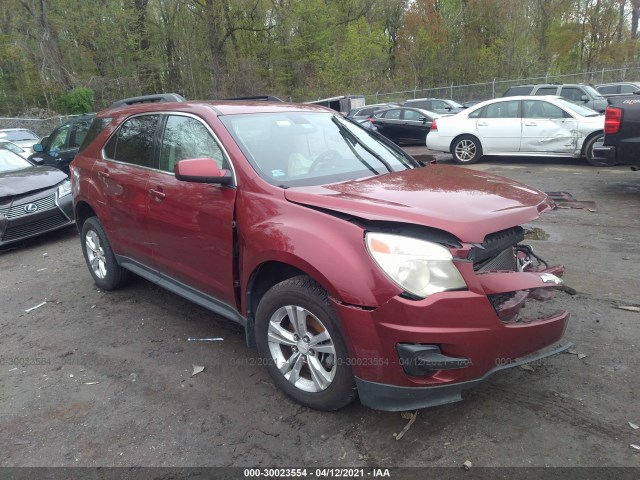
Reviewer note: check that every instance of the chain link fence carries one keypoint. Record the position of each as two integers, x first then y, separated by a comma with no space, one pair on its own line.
461,93
40,126
495,88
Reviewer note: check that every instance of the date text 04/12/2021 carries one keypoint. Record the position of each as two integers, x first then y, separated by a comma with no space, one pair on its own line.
317,472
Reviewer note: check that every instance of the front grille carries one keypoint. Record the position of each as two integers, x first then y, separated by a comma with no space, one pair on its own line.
33,228
17,210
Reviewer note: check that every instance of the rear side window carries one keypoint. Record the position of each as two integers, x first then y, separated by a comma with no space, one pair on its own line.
608,89
546,91
419,104
133,142
391,114
509,109
96,127
522,90
627,88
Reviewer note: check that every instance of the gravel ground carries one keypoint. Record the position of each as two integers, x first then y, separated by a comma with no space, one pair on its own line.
97,378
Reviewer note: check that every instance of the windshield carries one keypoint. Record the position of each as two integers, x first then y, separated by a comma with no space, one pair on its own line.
17,135
10,146
10,162
312,148
579,109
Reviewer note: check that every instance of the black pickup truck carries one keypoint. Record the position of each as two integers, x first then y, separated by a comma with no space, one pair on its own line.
621,143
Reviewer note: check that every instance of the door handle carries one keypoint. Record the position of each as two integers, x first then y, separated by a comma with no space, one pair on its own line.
157,194
483,124
104,174
530,124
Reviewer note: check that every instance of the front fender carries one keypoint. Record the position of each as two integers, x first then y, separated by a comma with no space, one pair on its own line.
329,249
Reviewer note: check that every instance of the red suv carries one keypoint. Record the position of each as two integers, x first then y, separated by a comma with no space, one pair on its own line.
354,270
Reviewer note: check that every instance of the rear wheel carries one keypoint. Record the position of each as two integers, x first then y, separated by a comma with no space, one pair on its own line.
466,150
589,154
305,354
104,268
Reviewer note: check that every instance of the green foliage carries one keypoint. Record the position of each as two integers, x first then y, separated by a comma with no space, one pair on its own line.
77,101
296,49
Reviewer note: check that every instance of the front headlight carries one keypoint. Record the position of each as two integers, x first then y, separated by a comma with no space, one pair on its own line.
419,267
64,188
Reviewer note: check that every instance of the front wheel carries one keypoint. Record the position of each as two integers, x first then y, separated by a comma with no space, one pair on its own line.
590,156
305,354
466,150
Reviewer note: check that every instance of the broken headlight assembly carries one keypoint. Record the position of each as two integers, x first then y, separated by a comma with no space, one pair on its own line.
419,267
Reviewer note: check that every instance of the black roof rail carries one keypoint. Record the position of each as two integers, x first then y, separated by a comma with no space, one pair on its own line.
262,98
160,97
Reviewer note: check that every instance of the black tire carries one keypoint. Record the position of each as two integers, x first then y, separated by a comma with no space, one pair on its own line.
588,153
466,150
104,268
313,308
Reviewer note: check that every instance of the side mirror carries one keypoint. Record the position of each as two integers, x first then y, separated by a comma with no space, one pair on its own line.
584,98
202,170
38,148
36,160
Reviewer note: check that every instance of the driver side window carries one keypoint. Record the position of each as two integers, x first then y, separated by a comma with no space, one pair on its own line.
186,137
58,141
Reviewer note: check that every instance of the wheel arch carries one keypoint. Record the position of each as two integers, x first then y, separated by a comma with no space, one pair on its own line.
458,137
83,211
588,138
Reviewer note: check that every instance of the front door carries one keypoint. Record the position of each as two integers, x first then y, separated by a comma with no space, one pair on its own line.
190,225
547,128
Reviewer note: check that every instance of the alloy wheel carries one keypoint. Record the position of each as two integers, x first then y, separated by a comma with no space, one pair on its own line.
302,348
95,254
465,150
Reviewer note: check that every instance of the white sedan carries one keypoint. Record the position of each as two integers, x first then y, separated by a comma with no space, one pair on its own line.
547,126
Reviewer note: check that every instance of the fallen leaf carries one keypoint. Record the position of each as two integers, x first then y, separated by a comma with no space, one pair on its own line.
527,367
196,370
634,446
467,465
633,425
581,356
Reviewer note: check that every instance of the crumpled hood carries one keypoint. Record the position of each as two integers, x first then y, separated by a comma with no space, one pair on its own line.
29,179
464,202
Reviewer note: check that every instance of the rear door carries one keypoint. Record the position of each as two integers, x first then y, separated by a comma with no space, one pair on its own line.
190,225
547,128
499,127
122,175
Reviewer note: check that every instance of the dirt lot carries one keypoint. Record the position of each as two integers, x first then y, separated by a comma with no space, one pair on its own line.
104,379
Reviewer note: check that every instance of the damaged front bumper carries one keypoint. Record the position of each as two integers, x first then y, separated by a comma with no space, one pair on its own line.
409,354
